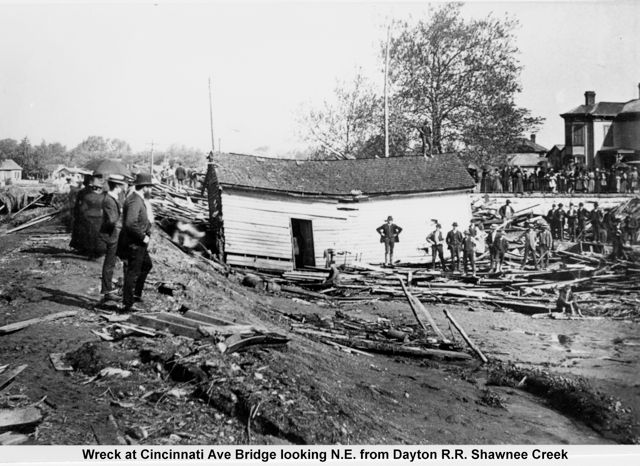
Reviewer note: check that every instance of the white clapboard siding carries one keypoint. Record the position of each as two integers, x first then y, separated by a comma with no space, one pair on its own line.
260,225
257,224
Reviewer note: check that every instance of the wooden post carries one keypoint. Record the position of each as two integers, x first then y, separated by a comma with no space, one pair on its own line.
386,95
466,337
213,146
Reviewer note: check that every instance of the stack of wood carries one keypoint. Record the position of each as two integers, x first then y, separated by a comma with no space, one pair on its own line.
181,204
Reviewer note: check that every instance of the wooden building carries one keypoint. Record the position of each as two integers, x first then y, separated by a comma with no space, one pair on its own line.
10,171
283,214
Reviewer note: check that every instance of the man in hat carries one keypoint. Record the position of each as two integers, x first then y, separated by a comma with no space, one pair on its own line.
490,240
545,240
551,219
530,244
583,215
77,226
389,232
436,240
110,231
572,216
500,247
559,217
597,223
506,211
469,252
134,240
454,244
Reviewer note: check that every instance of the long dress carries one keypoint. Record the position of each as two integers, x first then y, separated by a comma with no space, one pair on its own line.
90,217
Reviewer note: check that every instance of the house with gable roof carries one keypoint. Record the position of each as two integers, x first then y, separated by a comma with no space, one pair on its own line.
283,214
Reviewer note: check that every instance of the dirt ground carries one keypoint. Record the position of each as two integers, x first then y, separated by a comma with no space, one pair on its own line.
182,391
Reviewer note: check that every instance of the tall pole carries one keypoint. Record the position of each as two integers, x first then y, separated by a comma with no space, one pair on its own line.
151,160
213,146
386,95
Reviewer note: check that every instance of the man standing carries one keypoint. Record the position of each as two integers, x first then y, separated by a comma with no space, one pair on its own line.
551,219
134,240
546,243
506,211
436,240
454,244
490,240
597,224
583,216
181,174
109,232
469,253
500,246
559,217
572,215
530,244
389,232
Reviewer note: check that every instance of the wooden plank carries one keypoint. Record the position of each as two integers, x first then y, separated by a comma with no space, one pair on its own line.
466,338
148,320
211,319
524,308
11,438
7,378
20,418
419,311
26,323
211,328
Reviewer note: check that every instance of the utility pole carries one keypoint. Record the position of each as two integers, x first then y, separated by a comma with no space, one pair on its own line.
219,146
386,94
211,117
151,158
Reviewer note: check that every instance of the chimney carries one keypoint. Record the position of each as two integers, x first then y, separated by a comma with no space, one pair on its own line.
589,98
533,138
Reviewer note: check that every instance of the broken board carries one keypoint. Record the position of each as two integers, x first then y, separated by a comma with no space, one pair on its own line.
19,418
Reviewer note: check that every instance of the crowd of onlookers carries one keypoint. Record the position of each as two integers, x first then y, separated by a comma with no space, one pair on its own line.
179,176
569,180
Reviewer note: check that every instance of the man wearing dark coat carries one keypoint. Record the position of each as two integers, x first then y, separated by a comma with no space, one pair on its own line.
76,223
389,232
134,240
110,231
454,243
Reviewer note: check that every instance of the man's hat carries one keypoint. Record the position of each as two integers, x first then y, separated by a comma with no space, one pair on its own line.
595,204
454,224
143,179
115,178
494,226
508,202
389,218
467,232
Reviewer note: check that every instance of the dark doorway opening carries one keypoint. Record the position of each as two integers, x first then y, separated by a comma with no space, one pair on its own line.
302,238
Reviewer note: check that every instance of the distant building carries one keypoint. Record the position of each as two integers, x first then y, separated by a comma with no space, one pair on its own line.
600,134
9,170
283,214
74,175
528,155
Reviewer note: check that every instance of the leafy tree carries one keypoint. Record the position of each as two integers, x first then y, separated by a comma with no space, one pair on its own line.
97,147
460,78
8,149
342,127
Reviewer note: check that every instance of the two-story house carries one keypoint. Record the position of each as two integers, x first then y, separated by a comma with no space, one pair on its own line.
600,134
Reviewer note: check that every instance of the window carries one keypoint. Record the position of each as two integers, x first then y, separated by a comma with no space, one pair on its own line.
607,136
577,132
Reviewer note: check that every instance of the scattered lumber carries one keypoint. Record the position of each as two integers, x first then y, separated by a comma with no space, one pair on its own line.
466,338
35,221
7,377
27,323
19,418
12,438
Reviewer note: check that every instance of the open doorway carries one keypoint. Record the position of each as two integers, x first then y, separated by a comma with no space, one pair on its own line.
302,240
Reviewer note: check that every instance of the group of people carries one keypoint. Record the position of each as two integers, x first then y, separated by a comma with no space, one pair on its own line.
570,180
180,176
114,220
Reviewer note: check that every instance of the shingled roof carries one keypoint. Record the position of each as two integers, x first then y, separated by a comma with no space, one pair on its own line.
341,177
604,109
9,164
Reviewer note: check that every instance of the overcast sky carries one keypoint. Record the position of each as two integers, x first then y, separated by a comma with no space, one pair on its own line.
138,71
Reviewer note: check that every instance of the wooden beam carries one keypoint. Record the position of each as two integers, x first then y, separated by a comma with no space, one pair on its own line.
16,419
465,337
26,323
420,312
7,378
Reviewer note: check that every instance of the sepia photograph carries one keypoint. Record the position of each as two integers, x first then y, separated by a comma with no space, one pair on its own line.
286,225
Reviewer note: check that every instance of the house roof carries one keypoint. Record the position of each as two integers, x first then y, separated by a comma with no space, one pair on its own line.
604,109
527,145
9,164
633,106
342,177
525,160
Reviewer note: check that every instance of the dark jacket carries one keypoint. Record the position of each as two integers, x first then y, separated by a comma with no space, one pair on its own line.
390,232
454,240
111,220
135,224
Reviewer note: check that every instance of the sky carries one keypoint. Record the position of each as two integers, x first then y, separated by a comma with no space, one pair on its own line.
139,71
